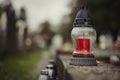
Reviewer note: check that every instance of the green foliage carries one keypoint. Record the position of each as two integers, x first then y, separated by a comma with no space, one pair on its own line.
46,28
66,28
106,14
19,67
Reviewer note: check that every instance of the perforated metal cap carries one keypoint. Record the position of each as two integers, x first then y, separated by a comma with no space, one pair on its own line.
83,18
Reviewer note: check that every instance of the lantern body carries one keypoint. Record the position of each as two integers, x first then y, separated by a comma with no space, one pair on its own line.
83,36
83,40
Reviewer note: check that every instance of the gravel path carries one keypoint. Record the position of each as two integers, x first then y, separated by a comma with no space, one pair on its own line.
43,62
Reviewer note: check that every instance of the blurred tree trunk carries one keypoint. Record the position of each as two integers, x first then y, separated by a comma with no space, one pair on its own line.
12,31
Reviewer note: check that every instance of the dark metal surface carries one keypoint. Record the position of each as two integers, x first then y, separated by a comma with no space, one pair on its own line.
83,61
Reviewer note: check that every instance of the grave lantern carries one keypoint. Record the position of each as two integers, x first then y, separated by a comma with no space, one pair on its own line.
83,37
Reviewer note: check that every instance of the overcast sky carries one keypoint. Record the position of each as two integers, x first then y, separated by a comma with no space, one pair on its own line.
40,10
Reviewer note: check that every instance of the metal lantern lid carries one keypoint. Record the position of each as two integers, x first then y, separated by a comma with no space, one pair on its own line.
83,17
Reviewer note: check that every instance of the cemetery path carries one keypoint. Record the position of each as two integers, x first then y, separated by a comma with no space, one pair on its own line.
42,63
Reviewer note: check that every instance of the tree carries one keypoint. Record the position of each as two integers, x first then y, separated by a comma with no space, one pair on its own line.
46,28
23,14
66,28
11,32
106,14
46,32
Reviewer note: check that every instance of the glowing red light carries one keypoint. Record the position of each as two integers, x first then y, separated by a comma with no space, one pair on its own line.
83,47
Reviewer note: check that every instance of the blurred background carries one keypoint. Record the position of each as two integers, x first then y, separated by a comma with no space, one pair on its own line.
27,26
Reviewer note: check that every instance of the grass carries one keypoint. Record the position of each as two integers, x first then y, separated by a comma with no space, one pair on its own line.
19,67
